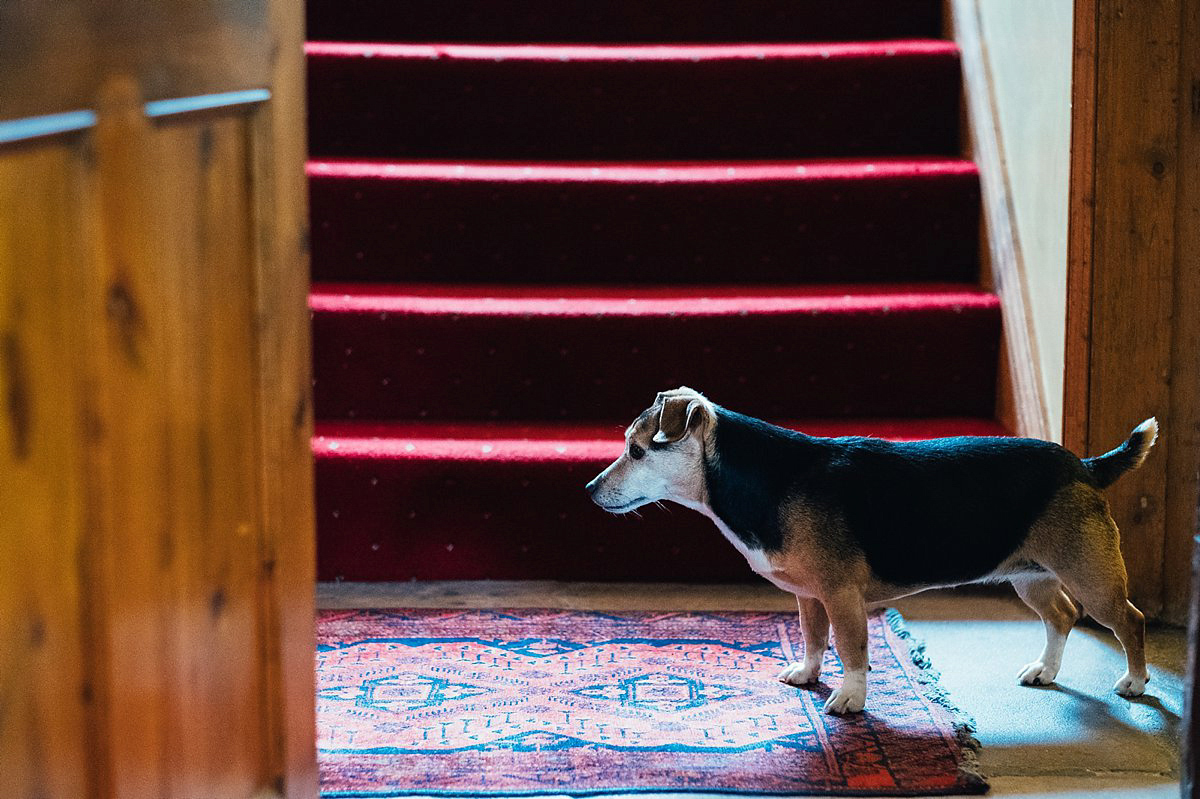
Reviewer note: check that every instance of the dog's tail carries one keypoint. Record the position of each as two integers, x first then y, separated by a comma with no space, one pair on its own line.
1106,468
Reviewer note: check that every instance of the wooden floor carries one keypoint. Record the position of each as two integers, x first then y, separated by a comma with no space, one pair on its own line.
1069,741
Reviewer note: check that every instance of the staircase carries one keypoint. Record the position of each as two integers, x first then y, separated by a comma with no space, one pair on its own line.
529,216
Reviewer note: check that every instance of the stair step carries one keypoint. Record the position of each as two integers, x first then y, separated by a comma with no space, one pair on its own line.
492,501
633,102
606,21
776,222
588,353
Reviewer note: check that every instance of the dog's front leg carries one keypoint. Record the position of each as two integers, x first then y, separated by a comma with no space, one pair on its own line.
848,614
814,626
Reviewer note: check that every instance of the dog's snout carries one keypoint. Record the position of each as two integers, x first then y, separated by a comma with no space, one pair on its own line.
592,486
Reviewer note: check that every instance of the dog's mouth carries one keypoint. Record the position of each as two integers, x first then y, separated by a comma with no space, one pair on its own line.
625,508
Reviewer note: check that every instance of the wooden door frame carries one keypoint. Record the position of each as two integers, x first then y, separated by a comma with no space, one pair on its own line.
1133,276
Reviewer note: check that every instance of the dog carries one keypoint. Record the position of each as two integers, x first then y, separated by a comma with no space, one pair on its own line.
845,523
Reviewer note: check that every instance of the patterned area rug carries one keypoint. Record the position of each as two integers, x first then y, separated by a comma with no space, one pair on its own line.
562,702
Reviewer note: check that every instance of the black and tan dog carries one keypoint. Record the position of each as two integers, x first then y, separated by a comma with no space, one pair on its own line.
844,523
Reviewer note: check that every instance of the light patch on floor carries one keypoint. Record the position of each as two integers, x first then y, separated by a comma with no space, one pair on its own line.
1071,740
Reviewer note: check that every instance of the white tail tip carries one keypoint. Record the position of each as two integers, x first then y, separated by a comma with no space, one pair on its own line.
1150,426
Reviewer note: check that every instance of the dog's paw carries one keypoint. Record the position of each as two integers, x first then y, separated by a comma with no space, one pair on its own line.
847,699
800,673
1037,673
1130,685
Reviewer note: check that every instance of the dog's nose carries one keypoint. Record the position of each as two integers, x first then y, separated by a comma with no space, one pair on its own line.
592,486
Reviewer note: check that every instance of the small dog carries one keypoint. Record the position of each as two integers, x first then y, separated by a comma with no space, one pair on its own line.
844,523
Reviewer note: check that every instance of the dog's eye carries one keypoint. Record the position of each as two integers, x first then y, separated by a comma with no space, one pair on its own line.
636,452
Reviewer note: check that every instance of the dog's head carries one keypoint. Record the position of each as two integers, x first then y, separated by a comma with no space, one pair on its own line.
663,457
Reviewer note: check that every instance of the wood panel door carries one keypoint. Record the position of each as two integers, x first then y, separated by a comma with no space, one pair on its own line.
156,542
1133,282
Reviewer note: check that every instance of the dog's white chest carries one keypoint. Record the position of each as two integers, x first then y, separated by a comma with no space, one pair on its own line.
755,557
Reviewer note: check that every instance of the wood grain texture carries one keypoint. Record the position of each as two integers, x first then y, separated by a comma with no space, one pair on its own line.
44,693
1133,281
1080,227
1133,263
58,56
1182,516
1021,401
181,491
288,554
157,562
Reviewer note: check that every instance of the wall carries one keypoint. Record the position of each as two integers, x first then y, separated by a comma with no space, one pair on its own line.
1027,46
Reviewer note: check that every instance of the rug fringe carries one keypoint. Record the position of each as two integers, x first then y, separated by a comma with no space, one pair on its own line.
930,680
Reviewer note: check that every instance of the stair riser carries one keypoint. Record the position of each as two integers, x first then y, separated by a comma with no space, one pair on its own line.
424,107
886,229
790,365
603,21
462,520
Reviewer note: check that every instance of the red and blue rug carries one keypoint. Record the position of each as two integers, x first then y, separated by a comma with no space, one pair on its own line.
521,702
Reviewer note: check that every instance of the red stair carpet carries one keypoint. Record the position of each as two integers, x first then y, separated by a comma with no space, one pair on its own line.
528,216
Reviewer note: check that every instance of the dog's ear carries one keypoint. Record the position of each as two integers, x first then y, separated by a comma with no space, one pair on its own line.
682,391
677,415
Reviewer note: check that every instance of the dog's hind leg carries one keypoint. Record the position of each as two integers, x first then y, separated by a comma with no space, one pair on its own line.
1094,572
1059,614
814,624
848,614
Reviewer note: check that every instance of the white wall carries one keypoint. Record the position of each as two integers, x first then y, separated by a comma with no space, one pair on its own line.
1028,47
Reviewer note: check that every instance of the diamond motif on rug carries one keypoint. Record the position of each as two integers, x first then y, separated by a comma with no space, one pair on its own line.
662,692
403,692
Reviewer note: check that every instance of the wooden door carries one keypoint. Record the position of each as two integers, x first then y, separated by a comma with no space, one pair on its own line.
156,532
1133,280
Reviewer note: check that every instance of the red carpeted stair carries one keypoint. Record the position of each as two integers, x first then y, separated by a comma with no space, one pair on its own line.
530,216
622,21
633,102
889,220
